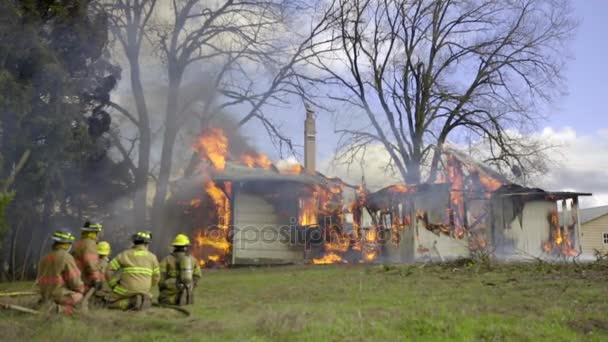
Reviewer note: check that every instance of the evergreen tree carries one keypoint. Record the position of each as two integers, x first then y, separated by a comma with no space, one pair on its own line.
55,80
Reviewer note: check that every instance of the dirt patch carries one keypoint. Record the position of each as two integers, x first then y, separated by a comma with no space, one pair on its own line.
588,326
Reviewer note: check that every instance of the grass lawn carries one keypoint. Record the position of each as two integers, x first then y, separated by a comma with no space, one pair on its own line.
458,302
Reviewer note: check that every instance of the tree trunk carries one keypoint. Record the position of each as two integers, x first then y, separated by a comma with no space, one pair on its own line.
413,173
171,128
143,164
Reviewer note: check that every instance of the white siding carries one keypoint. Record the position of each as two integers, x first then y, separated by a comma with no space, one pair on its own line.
402,252
592,235
529,240
257,235
441,247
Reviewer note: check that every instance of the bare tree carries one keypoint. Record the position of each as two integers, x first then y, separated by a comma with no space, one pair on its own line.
130,24
243,49
424,73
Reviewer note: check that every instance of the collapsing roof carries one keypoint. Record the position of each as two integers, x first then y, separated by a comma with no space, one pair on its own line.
529,194
235,172
399,192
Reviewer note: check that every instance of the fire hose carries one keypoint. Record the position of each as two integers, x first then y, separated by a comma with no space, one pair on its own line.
18,294
87,297
18,308
85,303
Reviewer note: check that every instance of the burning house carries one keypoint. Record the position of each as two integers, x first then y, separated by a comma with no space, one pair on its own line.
271,211
249,211
534,222
474,210
243,209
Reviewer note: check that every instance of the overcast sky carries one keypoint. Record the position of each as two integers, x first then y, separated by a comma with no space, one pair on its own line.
578,121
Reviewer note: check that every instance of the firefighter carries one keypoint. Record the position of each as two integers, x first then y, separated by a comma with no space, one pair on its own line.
58,277
103,252
85,254
179,274
139,274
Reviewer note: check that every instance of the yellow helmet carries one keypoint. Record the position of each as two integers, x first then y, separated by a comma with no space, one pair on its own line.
181,240
103,248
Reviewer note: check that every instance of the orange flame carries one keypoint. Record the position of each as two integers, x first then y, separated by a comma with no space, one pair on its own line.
400,188
213,146
247,160
308,211
338,244
370,256
293,169
331,258
371,235
255,160
560,241
222,204
490,184
212,245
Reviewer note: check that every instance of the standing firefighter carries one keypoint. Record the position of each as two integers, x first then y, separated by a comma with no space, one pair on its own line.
139,273
58,276
179,274
85,254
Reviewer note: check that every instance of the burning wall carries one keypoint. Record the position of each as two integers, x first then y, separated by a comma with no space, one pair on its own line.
527,222
263,224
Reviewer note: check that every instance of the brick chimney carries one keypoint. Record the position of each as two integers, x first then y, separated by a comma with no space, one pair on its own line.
310,149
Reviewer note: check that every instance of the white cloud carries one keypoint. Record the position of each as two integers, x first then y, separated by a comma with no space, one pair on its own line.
581,163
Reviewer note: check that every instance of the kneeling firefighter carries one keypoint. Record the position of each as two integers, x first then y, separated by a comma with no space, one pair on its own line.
179,274
103,251
58,276
132,274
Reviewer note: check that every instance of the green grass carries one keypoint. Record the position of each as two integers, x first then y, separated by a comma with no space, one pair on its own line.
465,302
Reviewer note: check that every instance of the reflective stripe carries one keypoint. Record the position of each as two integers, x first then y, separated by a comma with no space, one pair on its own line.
156,270
65,236
138,270
173,274
95,226
144,235
114,265
140,253
120,290
113,282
